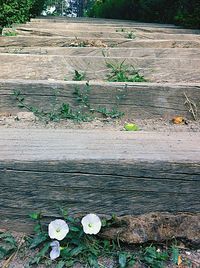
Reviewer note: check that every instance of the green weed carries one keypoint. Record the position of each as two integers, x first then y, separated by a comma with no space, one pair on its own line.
79,76
8,245
10,33
130,35
154,258
82,112
120,72
78,247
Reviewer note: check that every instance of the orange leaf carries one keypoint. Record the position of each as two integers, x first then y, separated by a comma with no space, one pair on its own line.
178,120
179,260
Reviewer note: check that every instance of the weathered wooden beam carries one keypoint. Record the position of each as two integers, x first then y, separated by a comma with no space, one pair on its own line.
85,171
22,31
41,41
140,100
95,68
187,53
106,28
100,21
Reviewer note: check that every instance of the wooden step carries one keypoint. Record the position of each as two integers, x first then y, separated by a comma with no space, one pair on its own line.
136,100
41,41
191,53
62,67
99,21
96,171
106,28
20,31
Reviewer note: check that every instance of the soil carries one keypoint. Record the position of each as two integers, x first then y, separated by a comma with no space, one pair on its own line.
28,120
190,258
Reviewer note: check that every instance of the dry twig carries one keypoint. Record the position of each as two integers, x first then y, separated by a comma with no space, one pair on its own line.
192,107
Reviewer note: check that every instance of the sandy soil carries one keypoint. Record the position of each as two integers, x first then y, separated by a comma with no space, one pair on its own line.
27,119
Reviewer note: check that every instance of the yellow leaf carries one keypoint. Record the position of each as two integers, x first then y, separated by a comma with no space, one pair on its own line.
179,260
178,120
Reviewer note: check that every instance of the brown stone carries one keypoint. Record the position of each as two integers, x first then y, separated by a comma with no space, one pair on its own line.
157,227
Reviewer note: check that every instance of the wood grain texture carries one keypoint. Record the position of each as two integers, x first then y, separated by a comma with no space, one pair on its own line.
140,100
21,31
99,21
52,144
94,171
107,28
39,67
41,41
191,53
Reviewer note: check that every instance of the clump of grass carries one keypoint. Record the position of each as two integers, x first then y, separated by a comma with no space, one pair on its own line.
79,76
10,33
120,72
130,35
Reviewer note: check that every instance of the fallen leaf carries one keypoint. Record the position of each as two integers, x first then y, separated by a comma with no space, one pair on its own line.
131,127
178,120
179,260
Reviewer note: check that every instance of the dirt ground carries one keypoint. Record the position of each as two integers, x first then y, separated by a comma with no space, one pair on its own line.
28,120
190,258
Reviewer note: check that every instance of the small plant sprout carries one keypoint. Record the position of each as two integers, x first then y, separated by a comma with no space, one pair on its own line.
130,35
58,229
91,224
79,76
121,72
55,252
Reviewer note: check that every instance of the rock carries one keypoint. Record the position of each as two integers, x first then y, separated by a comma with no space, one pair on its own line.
27,116
157,227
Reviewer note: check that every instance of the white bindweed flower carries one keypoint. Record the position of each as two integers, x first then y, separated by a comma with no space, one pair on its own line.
55,252
91,224
58,229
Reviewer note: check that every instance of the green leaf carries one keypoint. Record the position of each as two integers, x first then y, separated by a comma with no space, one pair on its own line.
175,254
61,264
131,127
122,260
74,229
76,251
40,255
93,261
37,240
35,215
20,105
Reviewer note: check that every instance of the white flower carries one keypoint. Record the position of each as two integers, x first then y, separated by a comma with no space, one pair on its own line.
58,229
91,224
55,252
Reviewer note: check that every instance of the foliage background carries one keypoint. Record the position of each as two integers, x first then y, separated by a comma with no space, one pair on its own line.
181,12
16,11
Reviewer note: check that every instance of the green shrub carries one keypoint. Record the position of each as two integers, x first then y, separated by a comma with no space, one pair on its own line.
189,14
18,11
182,12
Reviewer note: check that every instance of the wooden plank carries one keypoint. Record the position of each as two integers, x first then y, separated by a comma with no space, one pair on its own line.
191,53
100,21
106,28
100,34
137,100
95,171
49,145
41,41
39,67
